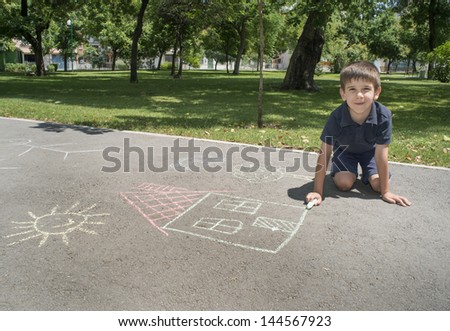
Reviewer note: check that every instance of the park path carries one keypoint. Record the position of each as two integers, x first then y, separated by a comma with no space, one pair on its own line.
85,225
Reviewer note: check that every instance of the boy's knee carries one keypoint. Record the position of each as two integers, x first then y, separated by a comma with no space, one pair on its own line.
343,186
344,181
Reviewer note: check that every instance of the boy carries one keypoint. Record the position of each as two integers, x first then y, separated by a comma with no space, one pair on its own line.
358,132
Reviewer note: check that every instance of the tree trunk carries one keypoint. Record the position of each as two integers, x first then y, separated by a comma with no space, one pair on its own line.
174,58
261,62
180,55
114,58
36,44
432,12
307,53
24,8
161,54
134,46
242,40
388,71
39,55
65,62
227,60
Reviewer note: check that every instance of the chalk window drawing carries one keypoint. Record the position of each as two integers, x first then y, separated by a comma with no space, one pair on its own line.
221,225
275,224
55,223
238,205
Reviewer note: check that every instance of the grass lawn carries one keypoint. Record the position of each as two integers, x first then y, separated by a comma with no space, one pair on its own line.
217,106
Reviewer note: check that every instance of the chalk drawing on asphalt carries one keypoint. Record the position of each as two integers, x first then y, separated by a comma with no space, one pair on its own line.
8,149
268,229
55,224
20,147
221,225
248,172
233,220
160,203
238,205
263,175
58,148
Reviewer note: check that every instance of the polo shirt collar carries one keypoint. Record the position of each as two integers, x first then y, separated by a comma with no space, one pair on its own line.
347,120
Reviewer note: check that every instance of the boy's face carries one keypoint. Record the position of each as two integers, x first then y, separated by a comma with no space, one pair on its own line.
359,95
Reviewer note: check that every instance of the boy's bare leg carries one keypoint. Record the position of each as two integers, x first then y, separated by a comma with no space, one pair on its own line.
344,180
374,181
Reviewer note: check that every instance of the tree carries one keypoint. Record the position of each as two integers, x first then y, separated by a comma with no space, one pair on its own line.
430,15
274,23
385,36
30,20
111,23
135,42
237,16
220,43
186,19
158,39
440,57
307,53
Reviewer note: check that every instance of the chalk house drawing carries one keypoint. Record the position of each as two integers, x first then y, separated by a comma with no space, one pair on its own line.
160,204
238,221
55,224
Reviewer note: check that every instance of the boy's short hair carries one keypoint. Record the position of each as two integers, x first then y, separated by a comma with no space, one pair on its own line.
360,70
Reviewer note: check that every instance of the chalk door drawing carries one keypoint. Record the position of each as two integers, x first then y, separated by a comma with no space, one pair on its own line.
248,223
55,224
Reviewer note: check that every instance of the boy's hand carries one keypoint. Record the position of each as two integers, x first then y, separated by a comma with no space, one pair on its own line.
397,199
314,195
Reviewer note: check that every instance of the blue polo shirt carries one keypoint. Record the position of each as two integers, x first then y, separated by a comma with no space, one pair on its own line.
340,130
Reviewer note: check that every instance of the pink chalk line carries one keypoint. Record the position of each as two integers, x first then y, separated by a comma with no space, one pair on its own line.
162,203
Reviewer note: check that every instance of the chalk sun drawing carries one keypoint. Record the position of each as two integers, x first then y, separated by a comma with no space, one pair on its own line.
55,223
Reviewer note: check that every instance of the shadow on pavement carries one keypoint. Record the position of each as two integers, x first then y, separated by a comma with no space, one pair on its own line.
359,190
57,128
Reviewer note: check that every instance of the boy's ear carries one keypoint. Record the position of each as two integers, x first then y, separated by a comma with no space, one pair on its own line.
342,93
377,93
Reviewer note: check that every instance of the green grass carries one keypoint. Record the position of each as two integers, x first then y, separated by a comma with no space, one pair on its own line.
217,106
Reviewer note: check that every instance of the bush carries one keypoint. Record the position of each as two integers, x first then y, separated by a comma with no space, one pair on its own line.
20,67
52,67
441,58
166,66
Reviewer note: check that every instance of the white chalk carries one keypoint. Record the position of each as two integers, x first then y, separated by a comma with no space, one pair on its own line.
311,204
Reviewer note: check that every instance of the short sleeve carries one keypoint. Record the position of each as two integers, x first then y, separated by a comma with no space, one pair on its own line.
331,130
384,130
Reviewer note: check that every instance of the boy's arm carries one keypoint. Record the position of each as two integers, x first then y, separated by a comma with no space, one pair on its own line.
321,171
381,159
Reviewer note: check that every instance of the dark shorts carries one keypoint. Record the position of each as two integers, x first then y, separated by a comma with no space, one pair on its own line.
345,161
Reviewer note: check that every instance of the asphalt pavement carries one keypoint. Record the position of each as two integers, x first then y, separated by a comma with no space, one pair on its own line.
97,219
